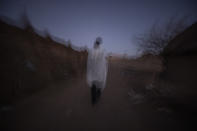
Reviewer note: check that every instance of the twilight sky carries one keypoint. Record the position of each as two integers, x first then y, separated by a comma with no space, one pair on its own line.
116,21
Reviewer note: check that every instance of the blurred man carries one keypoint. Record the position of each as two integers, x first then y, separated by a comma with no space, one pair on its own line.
96,70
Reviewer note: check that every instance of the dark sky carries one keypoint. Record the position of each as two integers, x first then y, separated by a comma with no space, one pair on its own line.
116,21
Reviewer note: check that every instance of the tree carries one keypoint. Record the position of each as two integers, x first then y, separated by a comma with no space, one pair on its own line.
24,21
158,36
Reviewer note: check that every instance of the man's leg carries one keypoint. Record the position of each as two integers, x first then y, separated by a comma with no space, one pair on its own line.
93,93
98,93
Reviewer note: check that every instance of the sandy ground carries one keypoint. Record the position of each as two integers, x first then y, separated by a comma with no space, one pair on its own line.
67,106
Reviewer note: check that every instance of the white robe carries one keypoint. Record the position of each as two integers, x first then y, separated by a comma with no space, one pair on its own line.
97,67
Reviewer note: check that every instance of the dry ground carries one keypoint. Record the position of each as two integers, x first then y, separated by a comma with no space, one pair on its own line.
127,103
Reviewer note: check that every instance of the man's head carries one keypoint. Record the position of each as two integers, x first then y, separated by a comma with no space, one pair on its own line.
98,42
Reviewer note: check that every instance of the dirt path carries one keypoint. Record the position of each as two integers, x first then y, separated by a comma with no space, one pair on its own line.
67,106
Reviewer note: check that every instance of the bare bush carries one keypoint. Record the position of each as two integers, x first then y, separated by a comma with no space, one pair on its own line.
158,36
